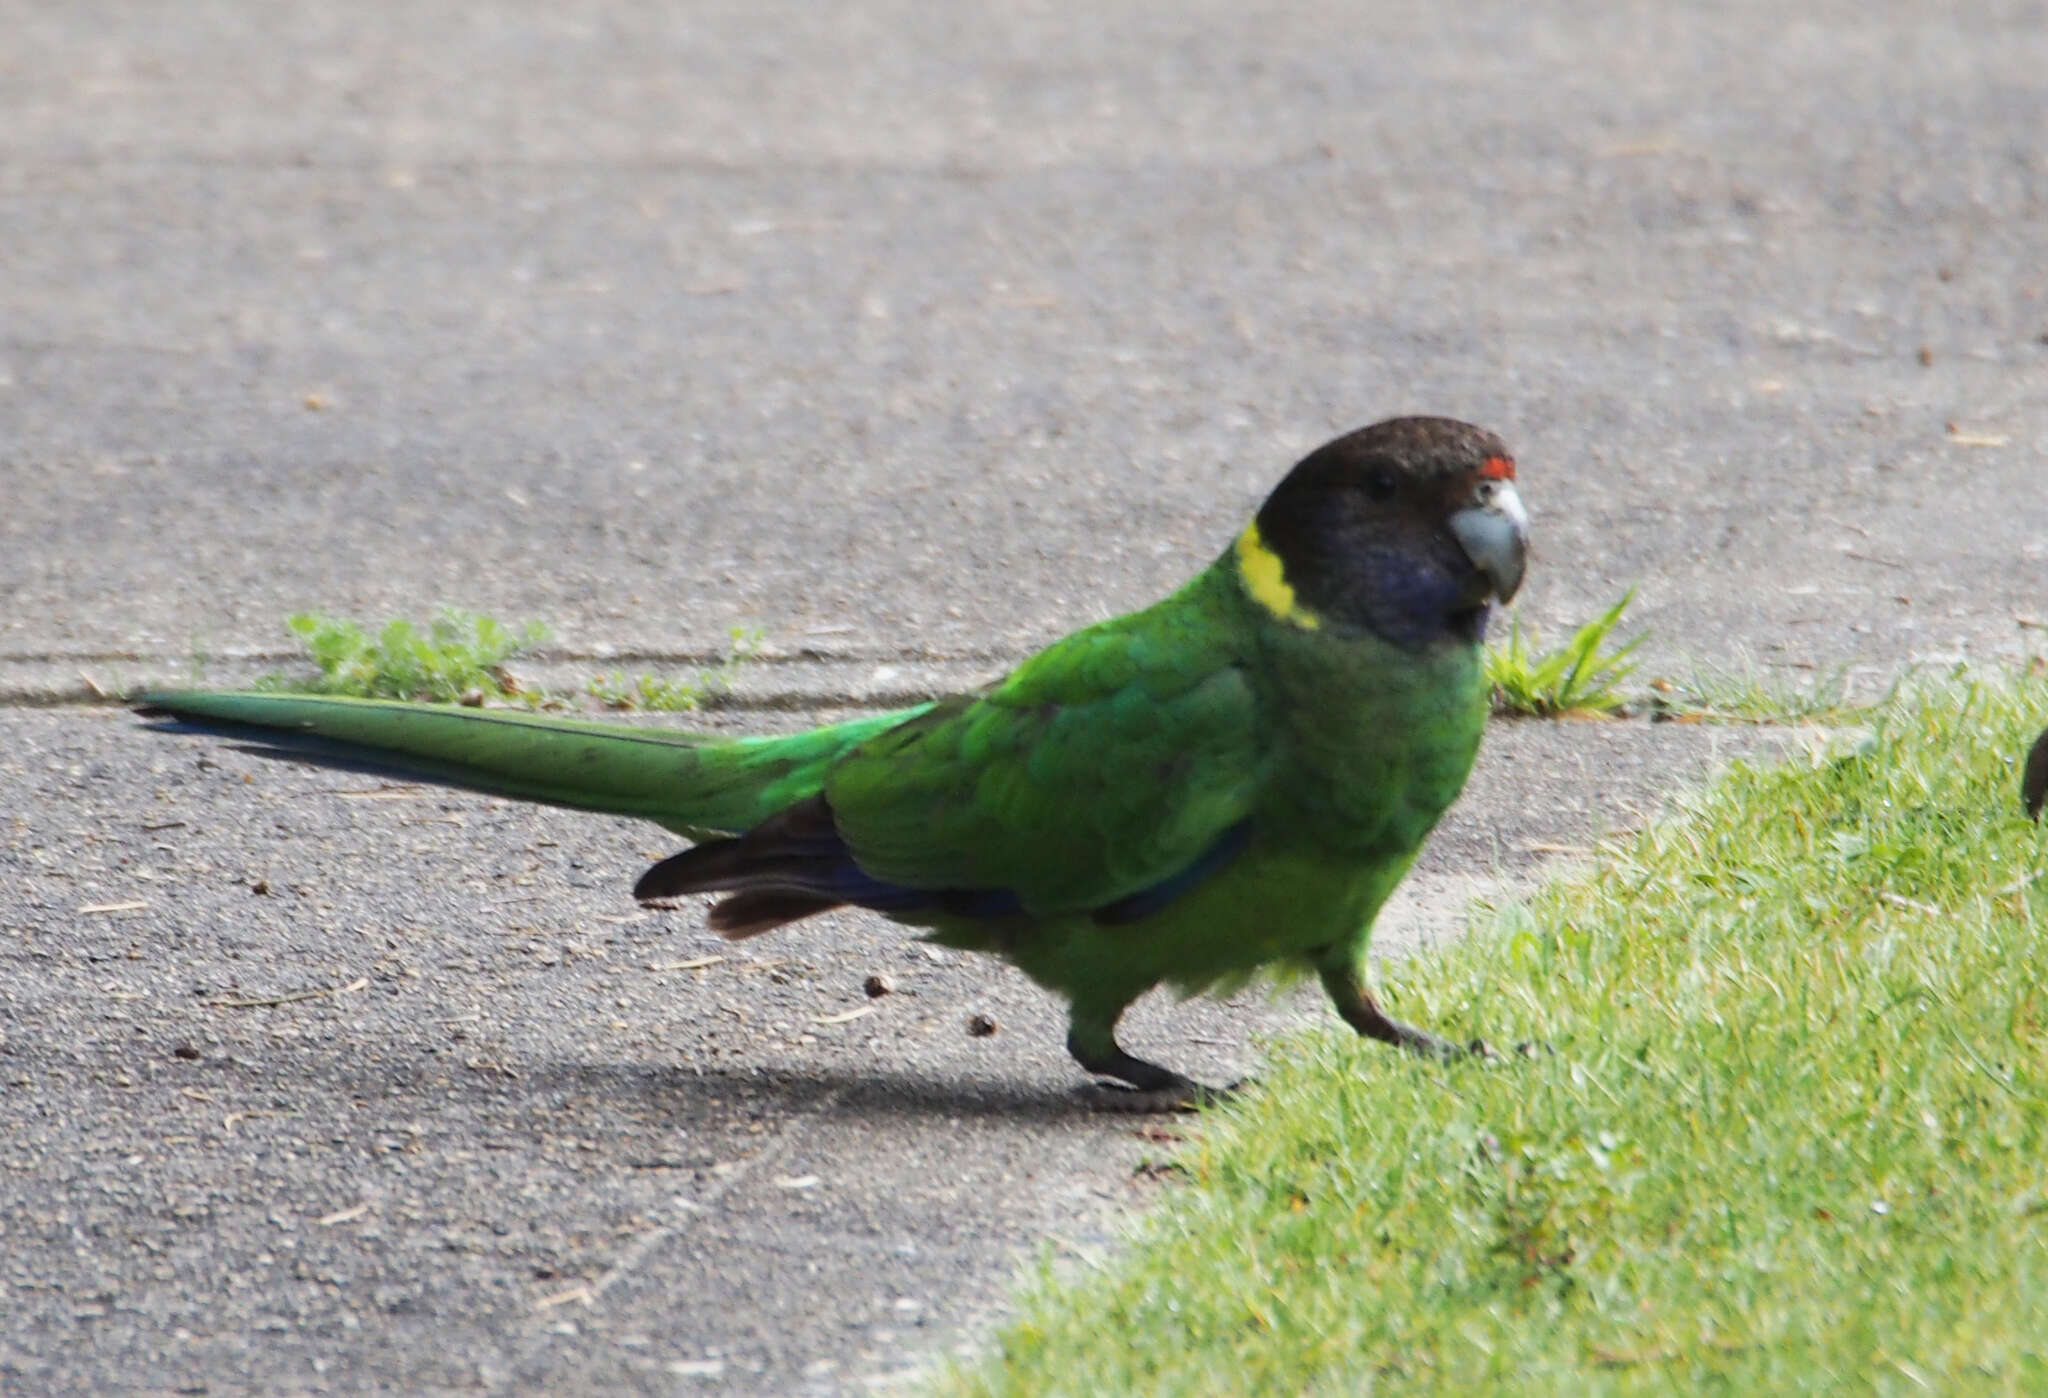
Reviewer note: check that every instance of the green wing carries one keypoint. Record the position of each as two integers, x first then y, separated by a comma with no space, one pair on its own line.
1105,764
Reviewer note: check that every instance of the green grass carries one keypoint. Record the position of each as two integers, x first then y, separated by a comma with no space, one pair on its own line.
1583,675
461,655
1792,1135
454,654
1747,695
647,691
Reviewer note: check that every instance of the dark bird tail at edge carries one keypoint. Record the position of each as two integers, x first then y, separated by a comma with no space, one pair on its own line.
2034,784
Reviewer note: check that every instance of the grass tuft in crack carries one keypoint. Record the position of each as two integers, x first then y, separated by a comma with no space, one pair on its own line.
1581,676
458,653
656,692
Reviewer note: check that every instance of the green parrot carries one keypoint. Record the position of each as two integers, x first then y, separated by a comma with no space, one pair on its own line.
1234,777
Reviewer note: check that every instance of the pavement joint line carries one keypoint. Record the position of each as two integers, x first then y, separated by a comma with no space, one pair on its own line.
778,701
947,171
636,1253
798,655
792,682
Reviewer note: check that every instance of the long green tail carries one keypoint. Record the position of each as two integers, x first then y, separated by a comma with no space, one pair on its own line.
693,783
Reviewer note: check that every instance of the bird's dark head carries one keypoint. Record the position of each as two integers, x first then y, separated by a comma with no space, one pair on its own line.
1407,529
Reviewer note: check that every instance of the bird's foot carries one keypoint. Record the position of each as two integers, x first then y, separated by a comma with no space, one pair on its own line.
1138,1086
1180,1095
1364,1014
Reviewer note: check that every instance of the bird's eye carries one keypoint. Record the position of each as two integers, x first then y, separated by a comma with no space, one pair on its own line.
1380,485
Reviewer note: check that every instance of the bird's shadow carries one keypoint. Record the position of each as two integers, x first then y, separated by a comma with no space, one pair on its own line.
878,1094
607,1096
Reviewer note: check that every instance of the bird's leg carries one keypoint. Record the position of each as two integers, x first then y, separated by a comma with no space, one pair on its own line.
1346,986
1092,1042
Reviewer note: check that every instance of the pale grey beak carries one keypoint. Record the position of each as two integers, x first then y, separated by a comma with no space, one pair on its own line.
1494,532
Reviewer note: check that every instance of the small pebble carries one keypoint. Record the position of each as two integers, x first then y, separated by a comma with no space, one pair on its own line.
980,1026
877,986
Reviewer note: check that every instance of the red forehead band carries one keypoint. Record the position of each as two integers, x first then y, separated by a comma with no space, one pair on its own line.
1498,468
